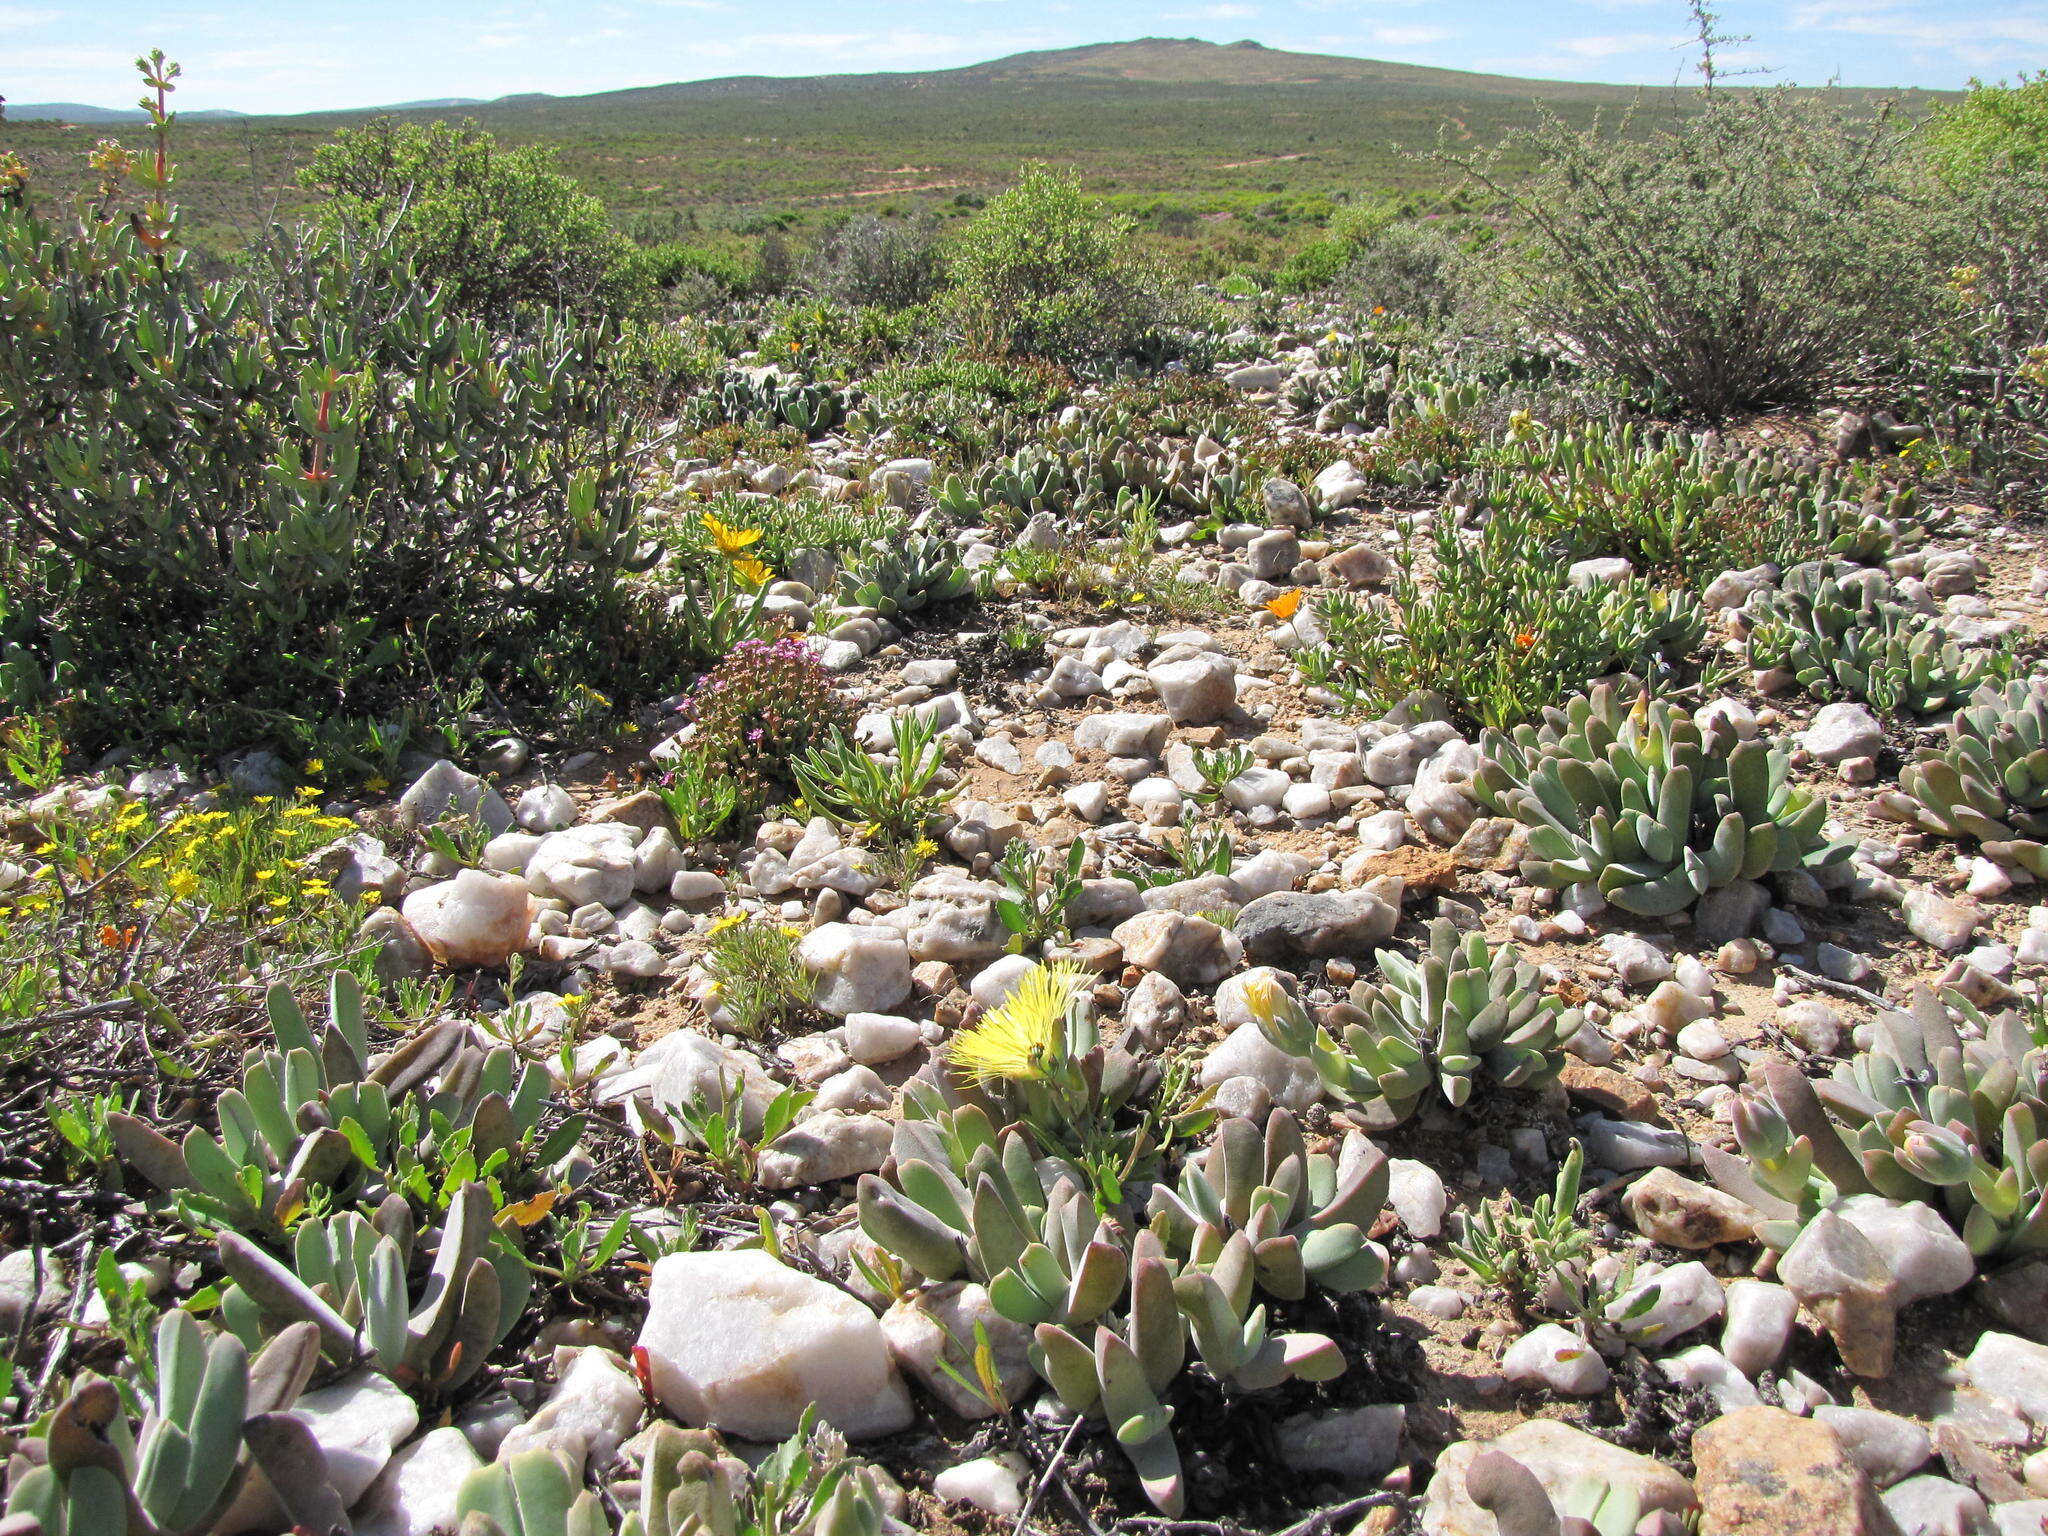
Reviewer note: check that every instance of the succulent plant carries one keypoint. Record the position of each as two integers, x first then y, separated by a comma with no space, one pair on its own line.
1924,1115
1844,634
215,1413
529,1493
313,1115
1306,1215
1989,779
812,408
1460,1006
1027,1230
691,1485
1647,806
902,578
1034,1241
1522,1506
351,1279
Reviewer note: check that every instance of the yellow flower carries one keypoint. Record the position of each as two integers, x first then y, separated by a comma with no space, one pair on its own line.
925,848
313,765
1015,1041
1261,994
752,571
730,540
730,920
266,874
372,897
376,784
182,883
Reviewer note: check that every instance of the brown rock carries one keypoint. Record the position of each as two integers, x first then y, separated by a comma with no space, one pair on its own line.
1671,1209
642,809
1766,1472
1604,1088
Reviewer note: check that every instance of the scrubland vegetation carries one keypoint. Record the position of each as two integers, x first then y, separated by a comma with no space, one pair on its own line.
1090,888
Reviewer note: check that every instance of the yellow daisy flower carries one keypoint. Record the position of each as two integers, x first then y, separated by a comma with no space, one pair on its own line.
752,571
1014,1042
730,540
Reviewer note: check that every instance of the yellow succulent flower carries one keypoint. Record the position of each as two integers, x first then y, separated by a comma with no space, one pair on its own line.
752,571
730,540
1261,995
1015,1042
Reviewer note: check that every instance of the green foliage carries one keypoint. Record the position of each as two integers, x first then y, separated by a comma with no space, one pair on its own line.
897,794
761,984
502,227
529,1493
1307,1215
700,799
312,490
1037,890
1749,256
1988,777
1046,270
1993,128
1646,806
692,1486
1461,1006
1498,632
1845,633
1924,1115
716,1126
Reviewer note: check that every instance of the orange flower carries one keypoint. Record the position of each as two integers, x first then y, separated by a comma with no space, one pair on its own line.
116,938
1286,605
1525,638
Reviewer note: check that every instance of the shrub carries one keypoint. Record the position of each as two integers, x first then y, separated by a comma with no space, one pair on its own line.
314,489
1416,269
1979,373
503,227
869,260
1750,257
1992,128
1047,270
763,706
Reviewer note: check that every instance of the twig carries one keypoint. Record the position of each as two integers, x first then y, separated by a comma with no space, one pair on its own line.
1839,988
1320,1521
1045,1478
60,1343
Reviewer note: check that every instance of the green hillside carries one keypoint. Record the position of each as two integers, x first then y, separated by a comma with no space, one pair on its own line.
1211,128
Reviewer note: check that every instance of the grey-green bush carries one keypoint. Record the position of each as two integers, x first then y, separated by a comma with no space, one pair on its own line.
1755,255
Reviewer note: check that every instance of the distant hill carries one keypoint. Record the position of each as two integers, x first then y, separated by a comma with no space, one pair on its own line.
1220,131
78,112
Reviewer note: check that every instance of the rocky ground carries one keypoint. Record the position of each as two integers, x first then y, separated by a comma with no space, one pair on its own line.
1714,1385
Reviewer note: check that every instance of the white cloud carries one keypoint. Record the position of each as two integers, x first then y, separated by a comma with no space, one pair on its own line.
1608,45
1409,37
18,18
1896,21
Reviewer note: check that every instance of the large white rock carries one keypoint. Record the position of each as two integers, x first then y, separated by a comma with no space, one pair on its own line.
742,1342
415,1496
474,919
1196,689
858,969
359,1422
1842,731
1554,1357
586,864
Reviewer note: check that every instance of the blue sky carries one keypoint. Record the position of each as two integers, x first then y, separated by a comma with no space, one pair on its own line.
303,55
